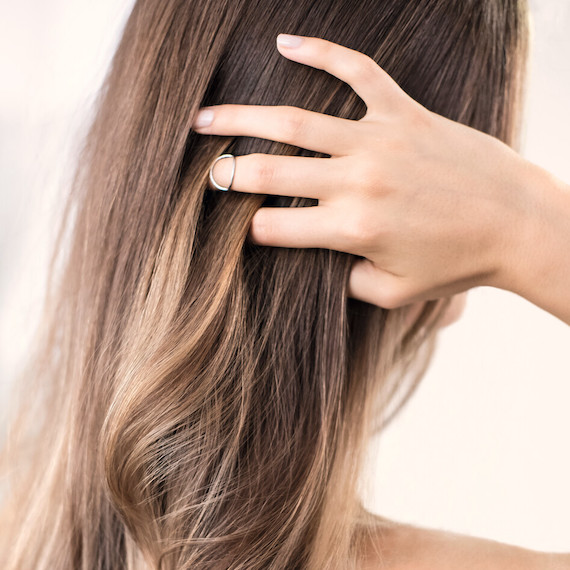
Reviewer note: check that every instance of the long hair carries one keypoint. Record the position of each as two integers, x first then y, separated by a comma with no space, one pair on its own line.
196,401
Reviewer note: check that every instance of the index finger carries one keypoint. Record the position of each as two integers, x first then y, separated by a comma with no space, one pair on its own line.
368,80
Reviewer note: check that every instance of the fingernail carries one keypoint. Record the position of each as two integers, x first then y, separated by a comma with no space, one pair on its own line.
204,119
288,41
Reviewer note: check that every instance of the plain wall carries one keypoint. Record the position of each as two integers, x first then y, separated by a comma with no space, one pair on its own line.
482,447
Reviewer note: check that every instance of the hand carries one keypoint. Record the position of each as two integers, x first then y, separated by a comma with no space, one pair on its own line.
433,206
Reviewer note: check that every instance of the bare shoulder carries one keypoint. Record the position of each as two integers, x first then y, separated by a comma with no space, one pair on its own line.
399,546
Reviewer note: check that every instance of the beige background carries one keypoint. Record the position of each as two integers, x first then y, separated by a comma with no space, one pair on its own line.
483,446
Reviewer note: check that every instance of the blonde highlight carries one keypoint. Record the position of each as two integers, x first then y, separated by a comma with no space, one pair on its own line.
195,400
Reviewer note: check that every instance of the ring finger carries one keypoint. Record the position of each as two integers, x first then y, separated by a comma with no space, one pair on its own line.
282,175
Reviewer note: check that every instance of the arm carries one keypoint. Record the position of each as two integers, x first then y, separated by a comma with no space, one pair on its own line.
537,266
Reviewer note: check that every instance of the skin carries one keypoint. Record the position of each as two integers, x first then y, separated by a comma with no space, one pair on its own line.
406,547
434,207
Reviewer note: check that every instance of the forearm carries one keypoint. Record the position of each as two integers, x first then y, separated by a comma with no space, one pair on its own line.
538,265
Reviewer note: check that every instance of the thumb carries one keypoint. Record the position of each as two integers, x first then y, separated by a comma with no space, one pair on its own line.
371,284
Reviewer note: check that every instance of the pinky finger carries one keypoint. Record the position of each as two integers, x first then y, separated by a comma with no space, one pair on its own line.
303,227
373,285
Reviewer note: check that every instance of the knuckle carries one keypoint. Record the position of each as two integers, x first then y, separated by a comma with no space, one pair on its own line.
365,177
324,49
261,229
262,173
418,116
360,230
392,297
292,123
364,69
397,145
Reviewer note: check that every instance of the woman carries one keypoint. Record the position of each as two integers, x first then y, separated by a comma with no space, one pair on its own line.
202,401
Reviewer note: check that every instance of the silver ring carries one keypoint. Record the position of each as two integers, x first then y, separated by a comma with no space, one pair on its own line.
214,183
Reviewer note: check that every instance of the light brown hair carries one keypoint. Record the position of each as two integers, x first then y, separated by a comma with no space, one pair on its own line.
197,401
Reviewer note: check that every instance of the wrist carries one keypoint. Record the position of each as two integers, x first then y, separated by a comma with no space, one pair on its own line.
534,261
521,225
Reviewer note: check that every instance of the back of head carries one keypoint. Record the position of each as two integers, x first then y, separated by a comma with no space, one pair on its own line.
200,401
